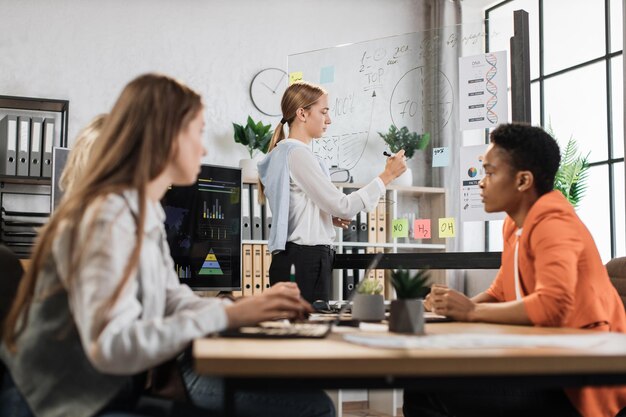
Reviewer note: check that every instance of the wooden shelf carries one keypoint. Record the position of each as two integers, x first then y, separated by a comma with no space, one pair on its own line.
391,187
253,242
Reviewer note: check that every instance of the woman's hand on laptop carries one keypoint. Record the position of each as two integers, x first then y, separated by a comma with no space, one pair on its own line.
280,301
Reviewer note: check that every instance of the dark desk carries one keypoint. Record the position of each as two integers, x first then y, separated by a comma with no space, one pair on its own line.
421,260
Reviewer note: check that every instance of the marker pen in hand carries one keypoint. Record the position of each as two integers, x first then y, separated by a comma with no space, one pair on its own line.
390,155
292,273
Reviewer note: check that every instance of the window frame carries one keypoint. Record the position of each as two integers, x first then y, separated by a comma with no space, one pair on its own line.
611,161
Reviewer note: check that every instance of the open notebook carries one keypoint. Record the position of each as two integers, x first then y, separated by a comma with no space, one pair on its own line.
287,330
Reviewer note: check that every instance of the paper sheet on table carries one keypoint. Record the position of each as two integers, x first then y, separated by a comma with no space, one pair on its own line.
485,341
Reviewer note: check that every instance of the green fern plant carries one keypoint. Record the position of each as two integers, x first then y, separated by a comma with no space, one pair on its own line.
370,286
409,286
403,139
253,136
571,177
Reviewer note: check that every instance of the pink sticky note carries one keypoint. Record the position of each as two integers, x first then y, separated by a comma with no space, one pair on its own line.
421,229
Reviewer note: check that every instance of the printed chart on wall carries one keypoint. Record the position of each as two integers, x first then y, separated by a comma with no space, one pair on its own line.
203,228
472,207
483,99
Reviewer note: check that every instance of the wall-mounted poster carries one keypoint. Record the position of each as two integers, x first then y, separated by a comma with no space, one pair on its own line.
472,207
483,100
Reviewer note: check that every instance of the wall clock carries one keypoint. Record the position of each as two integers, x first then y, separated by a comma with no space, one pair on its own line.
266,90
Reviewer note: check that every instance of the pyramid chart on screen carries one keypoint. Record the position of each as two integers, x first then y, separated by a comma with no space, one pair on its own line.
210,265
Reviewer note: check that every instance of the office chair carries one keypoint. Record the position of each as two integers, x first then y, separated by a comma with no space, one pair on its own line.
616,268
12,272
10,399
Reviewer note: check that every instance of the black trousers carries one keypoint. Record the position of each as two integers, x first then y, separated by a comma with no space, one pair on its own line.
314,267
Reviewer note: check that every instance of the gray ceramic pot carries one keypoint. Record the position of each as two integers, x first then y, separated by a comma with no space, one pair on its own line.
407,316
368,307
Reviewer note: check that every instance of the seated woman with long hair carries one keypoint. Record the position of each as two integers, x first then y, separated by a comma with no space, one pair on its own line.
101,303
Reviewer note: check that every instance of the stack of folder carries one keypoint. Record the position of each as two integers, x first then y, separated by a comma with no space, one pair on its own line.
368,228
256,219
26,146
255,269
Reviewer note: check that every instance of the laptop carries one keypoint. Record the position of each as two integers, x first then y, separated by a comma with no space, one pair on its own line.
286,330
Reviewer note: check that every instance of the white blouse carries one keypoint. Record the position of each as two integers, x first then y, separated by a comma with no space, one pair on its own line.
314,199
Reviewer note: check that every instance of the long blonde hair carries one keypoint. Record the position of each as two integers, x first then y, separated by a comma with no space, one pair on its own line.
78,158
298,95
134,147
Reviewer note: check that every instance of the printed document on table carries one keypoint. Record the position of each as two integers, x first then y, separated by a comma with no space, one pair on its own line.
487,341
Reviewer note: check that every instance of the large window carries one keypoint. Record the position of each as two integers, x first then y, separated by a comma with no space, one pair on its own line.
577,91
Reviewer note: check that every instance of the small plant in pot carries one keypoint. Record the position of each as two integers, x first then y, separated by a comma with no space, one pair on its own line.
368,303
255,136
402,138
407,312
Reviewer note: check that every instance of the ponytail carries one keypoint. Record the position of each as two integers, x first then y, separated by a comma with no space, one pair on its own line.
298,95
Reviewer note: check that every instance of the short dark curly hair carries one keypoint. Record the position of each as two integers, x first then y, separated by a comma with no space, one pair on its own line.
530,149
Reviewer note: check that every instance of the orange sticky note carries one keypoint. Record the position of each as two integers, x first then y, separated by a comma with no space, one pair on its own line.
421,229
447,227
295,77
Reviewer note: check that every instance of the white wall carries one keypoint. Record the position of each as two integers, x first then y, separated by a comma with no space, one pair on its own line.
86,51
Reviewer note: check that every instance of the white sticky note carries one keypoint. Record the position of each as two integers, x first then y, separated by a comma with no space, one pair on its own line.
441,157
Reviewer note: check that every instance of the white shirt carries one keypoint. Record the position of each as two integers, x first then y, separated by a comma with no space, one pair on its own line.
313,199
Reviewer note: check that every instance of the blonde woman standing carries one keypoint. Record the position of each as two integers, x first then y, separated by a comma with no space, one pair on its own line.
304,202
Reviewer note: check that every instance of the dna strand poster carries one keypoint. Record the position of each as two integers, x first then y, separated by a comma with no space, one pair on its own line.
483,98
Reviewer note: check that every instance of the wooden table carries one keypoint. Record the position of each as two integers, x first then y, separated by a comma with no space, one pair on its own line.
333,363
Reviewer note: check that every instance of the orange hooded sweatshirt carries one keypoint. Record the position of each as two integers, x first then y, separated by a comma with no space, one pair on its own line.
563,284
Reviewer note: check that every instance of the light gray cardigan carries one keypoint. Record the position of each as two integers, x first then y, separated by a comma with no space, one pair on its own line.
63,365
275,176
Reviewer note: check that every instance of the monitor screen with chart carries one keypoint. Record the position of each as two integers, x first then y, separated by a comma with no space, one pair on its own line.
203,227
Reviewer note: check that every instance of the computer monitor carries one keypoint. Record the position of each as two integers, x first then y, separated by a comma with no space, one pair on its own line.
203,226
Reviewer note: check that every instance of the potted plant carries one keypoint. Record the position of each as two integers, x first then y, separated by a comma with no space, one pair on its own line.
407,312
402,138
256,137
368,303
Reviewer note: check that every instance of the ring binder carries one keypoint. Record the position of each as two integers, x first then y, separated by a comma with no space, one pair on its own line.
48,143
8,145
23,139
34,169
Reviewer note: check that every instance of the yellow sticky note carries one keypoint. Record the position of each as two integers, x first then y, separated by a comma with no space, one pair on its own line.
400,228
295,77
447,227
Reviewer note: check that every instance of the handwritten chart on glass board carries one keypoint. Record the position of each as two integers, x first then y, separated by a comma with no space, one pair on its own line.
373,85
406,80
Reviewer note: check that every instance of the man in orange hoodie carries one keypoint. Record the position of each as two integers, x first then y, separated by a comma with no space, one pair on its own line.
551,275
